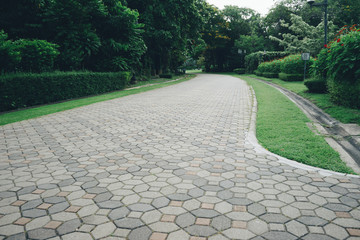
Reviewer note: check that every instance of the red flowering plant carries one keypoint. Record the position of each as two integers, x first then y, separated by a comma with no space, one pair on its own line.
343,67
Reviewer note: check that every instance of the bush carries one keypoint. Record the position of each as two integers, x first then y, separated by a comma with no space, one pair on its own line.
9,54
24,90
166,75
37,55
316,85
253,60
343,68
239,70
293,64
291,77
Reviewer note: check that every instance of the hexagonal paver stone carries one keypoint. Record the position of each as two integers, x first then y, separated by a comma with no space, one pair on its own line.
54,200
201,231
160,202
19,236
129,223
279,236
313,236
140,207
103,197
257,226
59,207
221,223
338,207
34,213
41,233
119,213
77,236
296,228
312,221
185,220
31,204
179,197
103,230
69,226
256,209
240,201
196,192
205,213
110,204
142,233
349,201
236,233
274,218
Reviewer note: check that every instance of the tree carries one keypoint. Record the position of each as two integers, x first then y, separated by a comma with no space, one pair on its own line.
303,37
168,27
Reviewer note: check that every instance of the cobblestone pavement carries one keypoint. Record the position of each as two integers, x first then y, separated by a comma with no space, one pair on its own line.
173,163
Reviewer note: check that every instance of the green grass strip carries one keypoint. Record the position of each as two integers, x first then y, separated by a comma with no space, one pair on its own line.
35,112
342,114
281,128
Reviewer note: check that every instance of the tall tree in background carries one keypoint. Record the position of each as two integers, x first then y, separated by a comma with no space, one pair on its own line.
168,27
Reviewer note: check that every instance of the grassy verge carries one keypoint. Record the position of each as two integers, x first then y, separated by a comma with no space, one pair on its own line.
281,128
342,114
25,114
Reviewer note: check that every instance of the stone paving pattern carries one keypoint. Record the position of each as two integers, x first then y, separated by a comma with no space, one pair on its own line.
172,163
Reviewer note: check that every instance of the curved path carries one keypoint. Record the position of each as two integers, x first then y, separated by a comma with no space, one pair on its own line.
173,163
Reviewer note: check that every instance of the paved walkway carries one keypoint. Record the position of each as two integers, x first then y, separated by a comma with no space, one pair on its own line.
173,163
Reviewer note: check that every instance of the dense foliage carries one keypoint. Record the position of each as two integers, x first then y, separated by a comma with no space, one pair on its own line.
24,90
343,67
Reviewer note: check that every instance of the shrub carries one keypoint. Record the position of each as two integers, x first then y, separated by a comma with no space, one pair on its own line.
293,64
9,54
239,70
343,68
166,75
253,60
24,90
291,77
316,85
37,55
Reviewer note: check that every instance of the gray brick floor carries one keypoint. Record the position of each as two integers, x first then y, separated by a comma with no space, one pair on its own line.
173,163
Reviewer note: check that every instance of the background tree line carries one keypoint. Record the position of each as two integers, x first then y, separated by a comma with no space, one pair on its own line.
150,37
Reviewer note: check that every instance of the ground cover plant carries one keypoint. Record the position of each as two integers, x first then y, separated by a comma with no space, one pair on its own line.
281,128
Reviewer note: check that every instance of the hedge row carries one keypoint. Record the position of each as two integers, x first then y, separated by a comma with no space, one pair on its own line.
24,90
252,61
290,68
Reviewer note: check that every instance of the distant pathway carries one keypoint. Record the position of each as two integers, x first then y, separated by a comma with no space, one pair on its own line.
175,163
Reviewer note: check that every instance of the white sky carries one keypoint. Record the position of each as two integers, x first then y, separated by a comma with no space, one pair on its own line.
261,6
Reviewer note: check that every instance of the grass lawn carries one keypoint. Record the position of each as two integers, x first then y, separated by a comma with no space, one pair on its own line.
281,128
25,114
342,114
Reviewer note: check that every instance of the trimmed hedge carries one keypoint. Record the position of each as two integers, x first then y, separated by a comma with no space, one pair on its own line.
253,60
270,75
24,90
239,70
316,85
291,77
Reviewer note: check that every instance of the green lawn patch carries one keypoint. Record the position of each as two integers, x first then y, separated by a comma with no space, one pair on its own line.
25,114
281,128
342,114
